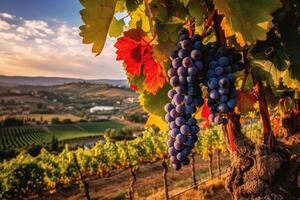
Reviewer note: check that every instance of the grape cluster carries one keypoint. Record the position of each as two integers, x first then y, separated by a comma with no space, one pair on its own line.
185,76
222,96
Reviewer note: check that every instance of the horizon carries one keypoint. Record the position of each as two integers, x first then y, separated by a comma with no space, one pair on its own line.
46,42
63,77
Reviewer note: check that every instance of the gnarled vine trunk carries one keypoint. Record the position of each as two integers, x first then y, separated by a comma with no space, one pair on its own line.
257,173
132,179
210,157
193,171
165,166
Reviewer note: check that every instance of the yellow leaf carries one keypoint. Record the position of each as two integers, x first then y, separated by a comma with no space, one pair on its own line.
97,16
139,19
157,121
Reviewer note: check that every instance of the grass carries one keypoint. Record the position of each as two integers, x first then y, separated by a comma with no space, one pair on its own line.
68,131
97,127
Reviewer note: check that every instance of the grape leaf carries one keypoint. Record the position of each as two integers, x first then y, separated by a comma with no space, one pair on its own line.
139,19
137,53
133,5
116,28
197,9
185,2
157,121
245,102
154,104
249,20
96,15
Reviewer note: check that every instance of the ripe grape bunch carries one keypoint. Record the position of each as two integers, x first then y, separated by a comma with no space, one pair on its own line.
222,96
185,76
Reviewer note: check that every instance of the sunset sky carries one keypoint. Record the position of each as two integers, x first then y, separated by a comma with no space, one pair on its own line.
40,38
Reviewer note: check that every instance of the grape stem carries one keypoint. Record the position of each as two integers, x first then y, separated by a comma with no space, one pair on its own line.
247,69
150,15
208,23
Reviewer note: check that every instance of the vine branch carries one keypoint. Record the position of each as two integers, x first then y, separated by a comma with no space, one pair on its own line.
208,23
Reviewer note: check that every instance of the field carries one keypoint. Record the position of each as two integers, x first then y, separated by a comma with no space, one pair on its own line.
46,117
68,131
18,137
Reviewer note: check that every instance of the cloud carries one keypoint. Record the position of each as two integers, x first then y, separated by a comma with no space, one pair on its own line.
6,15
53,48
4,25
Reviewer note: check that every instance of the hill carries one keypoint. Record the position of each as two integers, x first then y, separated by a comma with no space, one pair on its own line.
48,81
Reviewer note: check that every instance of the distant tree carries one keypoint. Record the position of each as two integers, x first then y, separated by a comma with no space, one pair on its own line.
67,121
41,119
12,121
55,120
54,144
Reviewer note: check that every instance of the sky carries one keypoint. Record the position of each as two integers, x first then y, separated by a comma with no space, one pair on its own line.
41,38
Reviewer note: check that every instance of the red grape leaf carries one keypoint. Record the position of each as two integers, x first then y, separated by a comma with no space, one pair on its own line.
133,87
135,50
245,101
205,114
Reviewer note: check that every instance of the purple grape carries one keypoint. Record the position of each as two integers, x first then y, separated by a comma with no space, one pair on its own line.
231,77
182,80
189,109
190,79
178,98
192,71
214,94
223,61
171,94
174,54
194,129
187,62
168,118
179,121
197,45
219,71
196,54
178,146
181,156
181,89
180,108
174,132
188,99
172,125
196,38
218,120
185,129
190,142
180,138
223,108
198,64
176,62
213,64
212,83
172,72
181,71
224,82
174,159
231,103
223,91
174,113
168,107
174,81
183,53
192,121
170,143
183,37
186,44
223,98
172,151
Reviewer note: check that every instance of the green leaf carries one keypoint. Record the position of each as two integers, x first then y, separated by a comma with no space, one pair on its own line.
154,104
116,27
185,2
197,10
132,5
97,16
250,19
139,19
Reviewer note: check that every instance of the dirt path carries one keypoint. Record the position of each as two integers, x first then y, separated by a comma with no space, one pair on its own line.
149,181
